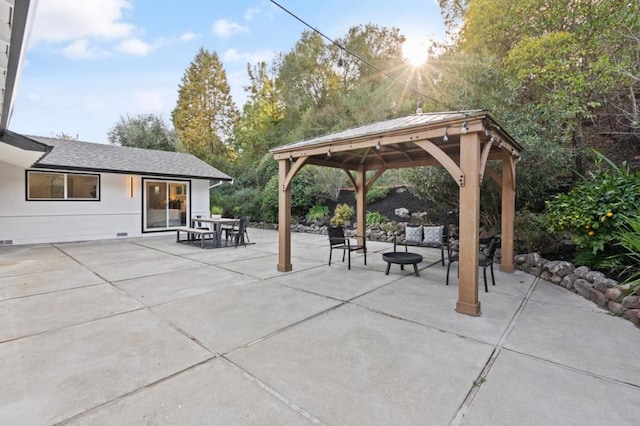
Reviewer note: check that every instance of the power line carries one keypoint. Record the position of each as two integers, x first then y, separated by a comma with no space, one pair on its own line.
360,58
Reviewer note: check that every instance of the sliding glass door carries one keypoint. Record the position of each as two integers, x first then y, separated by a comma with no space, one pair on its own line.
165,204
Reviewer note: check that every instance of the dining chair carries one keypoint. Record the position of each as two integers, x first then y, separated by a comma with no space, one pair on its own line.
485,259
338,241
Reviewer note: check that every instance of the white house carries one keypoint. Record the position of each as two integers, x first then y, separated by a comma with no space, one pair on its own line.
54,190
79,190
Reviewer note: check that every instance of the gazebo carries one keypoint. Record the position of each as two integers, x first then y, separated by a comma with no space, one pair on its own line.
462,142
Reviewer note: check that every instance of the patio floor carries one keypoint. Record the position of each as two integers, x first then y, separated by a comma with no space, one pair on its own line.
147,331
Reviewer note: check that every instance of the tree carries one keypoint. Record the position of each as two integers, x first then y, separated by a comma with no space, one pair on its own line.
258,127
146,131
205,115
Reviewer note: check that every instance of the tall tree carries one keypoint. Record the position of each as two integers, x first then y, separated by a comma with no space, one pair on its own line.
205,115
143,131
258,128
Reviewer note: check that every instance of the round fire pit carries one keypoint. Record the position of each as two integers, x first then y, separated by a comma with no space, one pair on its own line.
402,258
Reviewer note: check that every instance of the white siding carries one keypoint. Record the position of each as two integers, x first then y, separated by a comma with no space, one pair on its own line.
26,222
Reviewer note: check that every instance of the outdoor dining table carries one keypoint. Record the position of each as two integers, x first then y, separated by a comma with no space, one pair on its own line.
218,224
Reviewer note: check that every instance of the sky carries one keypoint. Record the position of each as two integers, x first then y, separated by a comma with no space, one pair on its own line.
91,62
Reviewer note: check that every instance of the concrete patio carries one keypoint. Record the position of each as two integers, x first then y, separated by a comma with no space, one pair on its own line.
147,331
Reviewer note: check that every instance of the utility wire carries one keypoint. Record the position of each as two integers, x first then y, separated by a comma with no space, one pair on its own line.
360,58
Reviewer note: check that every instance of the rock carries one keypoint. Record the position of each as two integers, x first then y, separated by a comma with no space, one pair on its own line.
401,212
633,315
598,297
583,287
593,276
604,283
614,294
560,268
637,291
631,302
567,281
533,259
581,271
546,275
616,308
519,259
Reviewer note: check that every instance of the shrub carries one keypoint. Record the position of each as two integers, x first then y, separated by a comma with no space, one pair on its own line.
375,218
318,213
377,193
628,236
592,212
531,234
342,213
217,210
303,196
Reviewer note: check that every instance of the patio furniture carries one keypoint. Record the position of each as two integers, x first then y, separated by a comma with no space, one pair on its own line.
194,233
218,223
337,241
236,234
424,236
485,259
402,258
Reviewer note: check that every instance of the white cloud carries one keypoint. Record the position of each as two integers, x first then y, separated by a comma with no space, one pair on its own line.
59,21
80,49
251,12
153,101
225,28
134,46
232,55
188,36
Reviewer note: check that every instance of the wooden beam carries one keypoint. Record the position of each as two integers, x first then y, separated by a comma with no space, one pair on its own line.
294,170
483,159
375,177
284,217
446,161
508,211
468,302
361,206
493,175
351,179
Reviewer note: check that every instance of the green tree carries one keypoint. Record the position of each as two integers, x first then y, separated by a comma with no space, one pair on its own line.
258,129
146,131
205,115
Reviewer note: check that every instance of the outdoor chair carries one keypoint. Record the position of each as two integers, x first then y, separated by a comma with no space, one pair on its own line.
198,224
337,241
247,219
485,259
236,234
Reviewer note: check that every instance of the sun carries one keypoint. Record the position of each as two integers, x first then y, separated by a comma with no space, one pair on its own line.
415,52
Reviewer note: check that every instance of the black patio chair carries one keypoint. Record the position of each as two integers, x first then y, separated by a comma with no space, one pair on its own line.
236,234
485,259
337,241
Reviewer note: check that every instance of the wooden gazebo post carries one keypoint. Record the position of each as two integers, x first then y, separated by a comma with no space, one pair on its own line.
508,210
284,217
468,302
361,205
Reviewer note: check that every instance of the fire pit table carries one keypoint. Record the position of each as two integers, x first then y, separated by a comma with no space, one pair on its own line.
402,258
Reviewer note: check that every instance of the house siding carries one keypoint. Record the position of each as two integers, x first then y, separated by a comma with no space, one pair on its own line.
27,222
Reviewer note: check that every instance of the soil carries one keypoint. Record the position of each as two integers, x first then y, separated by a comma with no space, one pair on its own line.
398,198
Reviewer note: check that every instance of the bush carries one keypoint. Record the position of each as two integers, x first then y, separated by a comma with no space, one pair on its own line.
342,213
375,218
318,213
628,236
592,212
303,196
377,193
531,234
217,210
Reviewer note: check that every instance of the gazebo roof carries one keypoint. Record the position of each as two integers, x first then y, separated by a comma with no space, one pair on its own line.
393,143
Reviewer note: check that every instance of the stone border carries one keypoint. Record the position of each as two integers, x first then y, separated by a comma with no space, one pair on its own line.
607,293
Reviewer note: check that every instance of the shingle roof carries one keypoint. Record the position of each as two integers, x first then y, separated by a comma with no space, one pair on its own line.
384,126
87,156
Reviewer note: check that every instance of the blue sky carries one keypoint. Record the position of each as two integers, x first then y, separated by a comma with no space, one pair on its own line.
91,61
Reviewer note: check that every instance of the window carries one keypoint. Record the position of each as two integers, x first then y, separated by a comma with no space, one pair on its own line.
62,186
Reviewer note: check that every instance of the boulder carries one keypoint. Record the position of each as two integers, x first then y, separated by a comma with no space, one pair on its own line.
593,276
614,293
633,315
581,271
631,302
598,297
402,212
583,287
567,281
616,307
604,283
560,268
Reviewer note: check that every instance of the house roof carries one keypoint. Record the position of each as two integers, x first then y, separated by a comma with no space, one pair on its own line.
86,156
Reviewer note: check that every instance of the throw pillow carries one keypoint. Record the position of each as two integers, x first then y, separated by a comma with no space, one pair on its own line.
413,234
433,235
